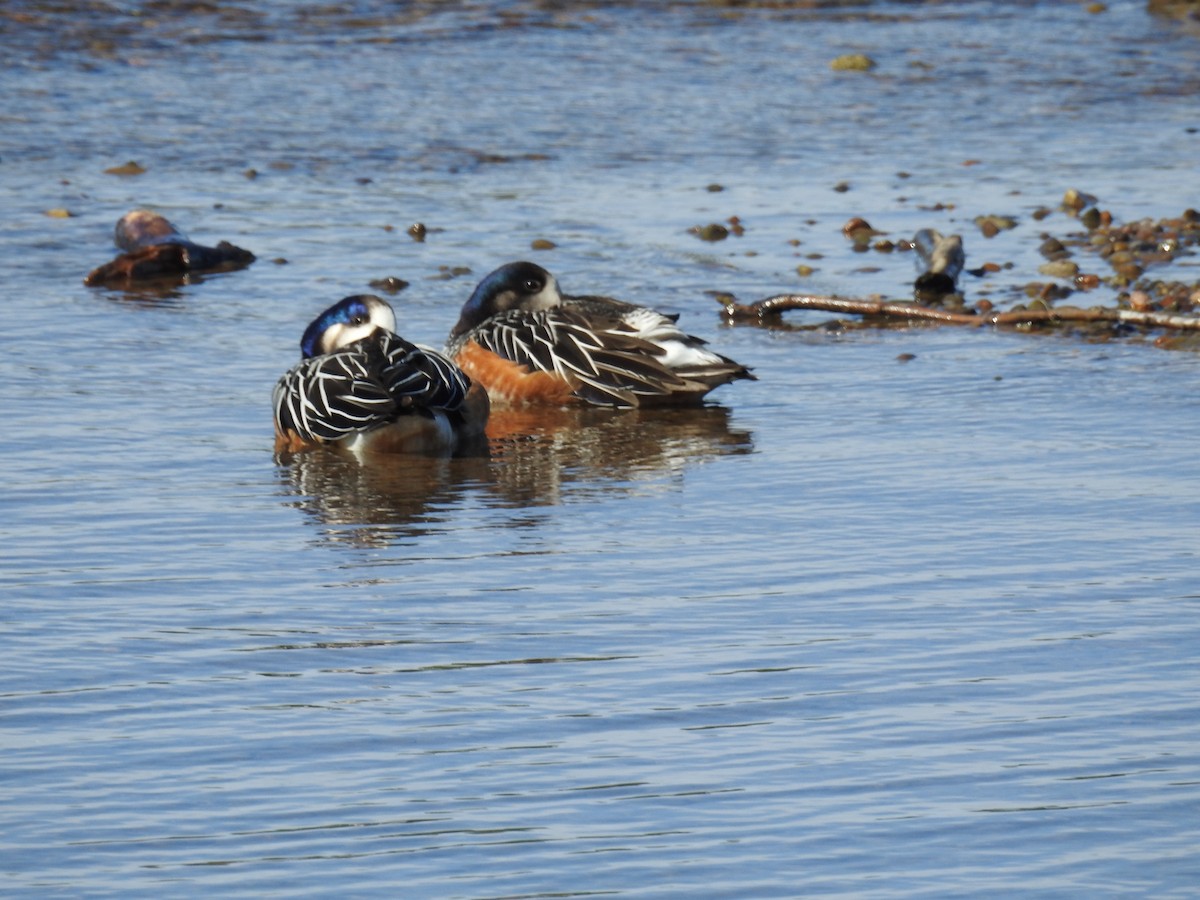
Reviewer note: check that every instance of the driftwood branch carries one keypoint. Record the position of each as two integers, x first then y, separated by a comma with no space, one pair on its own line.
771,309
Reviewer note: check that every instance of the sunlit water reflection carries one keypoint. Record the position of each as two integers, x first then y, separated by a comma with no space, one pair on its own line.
865,627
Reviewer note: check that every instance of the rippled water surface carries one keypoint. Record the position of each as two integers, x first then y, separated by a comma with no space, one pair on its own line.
915,614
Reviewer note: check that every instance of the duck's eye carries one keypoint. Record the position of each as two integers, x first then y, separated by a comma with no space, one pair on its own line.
359,319
533,285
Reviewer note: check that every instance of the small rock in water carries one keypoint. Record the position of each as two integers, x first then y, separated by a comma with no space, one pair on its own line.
1053,248
714,231
852,62
860,231
992,225
391,284
1091,218
129,168
1059,268
1074,201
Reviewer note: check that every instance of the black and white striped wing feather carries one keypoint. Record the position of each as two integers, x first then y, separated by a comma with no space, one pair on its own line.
331,396
364,385
419,376
610,363
684,354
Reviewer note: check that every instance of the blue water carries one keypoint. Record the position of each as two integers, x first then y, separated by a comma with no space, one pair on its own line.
913,615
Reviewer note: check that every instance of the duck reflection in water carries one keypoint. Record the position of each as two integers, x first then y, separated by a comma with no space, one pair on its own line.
538,457
636,426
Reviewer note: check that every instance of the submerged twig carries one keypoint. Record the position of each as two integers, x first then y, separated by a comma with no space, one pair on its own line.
1092,314
770,309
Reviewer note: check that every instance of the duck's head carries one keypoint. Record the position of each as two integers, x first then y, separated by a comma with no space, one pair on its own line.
349,320
518,285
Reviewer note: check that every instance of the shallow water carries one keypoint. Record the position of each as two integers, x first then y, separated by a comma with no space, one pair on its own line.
867,627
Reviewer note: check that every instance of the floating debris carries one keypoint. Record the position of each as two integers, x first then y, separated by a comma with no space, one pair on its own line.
154,248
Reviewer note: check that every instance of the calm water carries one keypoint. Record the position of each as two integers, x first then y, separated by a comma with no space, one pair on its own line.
864,628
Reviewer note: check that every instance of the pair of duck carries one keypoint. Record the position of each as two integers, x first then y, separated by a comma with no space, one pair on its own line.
519,340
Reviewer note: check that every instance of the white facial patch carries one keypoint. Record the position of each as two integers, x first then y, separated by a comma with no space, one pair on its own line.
547,298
